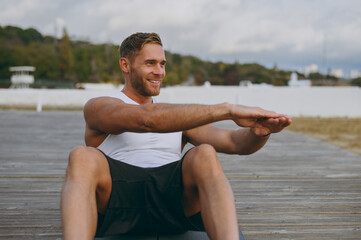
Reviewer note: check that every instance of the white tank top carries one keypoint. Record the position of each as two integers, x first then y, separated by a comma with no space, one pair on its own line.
142,149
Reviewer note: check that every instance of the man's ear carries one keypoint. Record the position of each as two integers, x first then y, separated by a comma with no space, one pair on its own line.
124,64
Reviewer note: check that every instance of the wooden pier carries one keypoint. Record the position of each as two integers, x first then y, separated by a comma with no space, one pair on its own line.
296,187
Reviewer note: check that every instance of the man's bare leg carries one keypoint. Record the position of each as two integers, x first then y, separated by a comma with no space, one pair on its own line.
207,189
86,190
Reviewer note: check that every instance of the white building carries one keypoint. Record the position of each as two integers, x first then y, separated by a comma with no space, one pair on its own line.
294,82
248,83
354,73
313,68
21,77
336,73
245,83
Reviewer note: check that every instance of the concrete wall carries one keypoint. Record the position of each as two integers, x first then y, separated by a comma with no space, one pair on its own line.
294,101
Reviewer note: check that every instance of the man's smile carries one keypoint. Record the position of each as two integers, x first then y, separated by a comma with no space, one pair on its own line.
154,82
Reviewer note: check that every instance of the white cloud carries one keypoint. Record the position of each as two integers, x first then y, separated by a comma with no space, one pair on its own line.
16,12
25,12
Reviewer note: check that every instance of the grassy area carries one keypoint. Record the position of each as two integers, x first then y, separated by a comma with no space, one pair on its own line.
342,132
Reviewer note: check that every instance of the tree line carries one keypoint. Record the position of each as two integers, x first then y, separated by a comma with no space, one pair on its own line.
57,60
67,62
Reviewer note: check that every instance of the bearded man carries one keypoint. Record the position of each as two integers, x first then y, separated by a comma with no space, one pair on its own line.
131,176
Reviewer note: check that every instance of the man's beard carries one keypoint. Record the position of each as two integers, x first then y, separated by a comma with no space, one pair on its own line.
140,86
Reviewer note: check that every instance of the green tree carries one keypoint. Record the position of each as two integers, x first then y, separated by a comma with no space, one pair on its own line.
66,58
82,61
356,82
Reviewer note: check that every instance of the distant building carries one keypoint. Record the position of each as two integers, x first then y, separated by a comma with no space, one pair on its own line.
294,82
313,68
354,73
207,84
245,83
248,83
21,77
336,73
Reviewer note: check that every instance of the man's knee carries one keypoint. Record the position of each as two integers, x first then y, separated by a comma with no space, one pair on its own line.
205,162
89,167
205,150
83,161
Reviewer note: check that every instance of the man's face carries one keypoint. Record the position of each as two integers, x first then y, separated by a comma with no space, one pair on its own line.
147,70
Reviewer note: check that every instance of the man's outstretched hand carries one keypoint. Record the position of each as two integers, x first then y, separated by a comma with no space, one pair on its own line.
262,122
271,125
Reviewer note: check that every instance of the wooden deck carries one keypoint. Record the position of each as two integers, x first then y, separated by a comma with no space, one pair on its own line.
294,188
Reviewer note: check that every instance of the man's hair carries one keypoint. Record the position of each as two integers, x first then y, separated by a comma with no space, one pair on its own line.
134,43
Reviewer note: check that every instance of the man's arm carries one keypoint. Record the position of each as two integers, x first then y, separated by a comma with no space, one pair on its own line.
110,115
241,141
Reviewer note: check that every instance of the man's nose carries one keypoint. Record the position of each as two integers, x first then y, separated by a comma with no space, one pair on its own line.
159,69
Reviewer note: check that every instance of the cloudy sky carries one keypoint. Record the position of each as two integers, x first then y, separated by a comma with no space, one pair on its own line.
289,33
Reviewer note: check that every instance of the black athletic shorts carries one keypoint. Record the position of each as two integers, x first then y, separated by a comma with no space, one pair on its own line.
146,201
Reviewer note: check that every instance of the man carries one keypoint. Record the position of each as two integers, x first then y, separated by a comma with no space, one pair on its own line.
131,177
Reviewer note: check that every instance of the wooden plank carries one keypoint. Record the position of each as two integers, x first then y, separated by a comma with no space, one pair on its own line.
294,188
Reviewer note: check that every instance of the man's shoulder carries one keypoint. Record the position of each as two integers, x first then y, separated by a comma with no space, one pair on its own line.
103,100
95,105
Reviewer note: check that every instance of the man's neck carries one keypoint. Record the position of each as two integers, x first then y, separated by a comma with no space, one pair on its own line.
138,98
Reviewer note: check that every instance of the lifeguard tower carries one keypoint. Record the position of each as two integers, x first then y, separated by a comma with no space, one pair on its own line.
21,77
